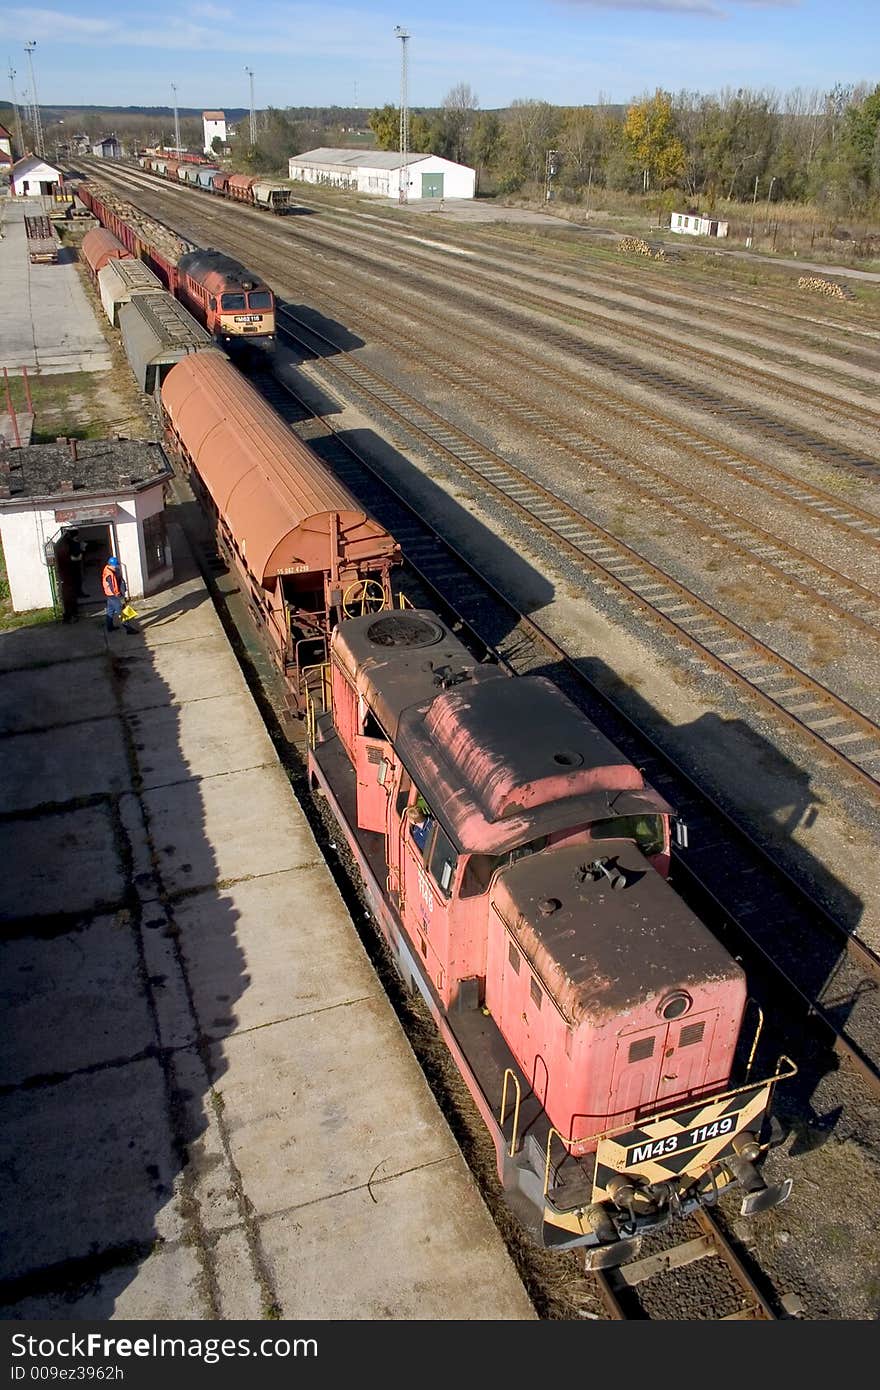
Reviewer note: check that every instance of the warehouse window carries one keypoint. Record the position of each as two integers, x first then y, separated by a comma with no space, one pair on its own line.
154,542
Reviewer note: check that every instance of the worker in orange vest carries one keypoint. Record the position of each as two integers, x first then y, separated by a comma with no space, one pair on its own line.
113,587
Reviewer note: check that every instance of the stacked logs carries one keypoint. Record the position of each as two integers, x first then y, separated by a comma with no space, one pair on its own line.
641,248
820,286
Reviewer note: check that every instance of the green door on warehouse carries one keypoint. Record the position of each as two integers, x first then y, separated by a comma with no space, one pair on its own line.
432,185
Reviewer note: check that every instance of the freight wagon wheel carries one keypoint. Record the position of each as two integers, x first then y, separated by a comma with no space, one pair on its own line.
363,596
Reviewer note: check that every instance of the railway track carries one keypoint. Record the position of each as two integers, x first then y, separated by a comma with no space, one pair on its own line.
735,1289
688,391
582,276
846,738
825,506
834,976
594,458
831,980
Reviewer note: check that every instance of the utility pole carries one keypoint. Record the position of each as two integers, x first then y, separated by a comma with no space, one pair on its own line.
550,170
404,37
38,128
176,120
769,196
16,113
250,73
754,201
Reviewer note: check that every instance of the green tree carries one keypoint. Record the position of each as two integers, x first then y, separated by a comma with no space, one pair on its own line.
863,140
530,130
485,144
652,141
217,145
385,125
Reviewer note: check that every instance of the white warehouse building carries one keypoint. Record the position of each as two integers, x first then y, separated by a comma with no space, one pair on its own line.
379,172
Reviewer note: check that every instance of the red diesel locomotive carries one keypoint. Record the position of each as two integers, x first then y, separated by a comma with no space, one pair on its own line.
516,863
233,303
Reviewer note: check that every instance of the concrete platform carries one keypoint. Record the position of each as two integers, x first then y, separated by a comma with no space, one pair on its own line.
47,322
207,1106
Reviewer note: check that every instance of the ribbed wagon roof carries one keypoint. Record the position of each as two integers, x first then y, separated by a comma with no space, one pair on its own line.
100,246
277,498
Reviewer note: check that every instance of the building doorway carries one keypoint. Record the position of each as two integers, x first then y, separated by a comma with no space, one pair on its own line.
432,185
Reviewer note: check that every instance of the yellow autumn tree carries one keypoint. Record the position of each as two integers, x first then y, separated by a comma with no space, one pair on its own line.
652,142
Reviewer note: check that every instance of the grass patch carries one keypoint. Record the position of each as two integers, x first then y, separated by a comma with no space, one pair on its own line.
79,405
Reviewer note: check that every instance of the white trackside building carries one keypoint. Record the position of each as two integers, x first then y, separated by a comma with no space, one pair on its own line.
379,172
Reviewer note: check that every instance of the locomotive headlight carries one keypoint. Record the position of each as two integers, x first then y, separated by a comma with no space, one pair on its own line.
674,1006
746,1146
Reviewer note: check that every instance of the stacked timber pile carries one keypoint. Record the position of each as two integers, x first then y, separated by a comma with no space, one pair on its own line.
151,232
820,286
641,248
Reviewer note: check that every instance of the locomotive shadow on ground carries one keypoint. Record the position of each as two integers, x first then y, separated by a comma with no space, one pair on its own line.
775,824
119,983
342,339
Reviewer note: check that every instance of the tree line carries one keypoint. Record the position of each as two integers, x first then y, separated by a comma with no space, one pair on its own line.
804,146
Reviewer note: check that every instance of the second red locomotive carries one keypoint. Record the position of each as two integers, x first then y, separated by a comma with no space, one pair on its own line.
516,863
229,300
236,306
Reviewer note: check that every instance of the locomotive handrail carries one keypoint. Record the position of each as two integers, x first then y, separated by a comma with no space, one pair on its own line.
770,1082
511,1075
758,1032
309,694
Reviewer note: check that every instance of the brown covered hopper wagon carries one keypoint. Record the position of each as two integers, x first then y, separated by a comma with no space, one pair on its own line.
307,553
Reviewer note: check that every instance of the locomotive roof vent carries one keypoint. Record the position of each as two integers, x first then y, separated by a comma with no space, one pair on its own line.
404,630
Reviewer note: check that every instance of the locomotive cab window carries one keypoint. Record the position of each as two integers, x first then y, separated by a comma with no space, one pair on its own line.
648,832
443,862
232,302
259,299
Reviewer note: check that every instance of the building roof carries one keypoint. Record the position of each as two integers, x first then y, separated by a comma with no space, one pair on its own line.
78,468
4,133
358,159
108,140
213,115
32,162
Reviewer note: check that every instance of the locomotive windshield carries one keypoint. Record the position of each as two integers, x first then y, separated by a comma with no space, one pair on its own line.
232,301
259,299
647,831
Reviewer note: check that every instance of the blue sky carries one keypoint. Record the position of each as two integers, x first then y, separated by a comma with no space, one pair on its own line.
344,52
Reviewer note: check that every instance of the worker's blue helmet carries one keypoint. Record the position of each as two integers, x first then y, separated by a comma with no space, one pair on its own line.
113,562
